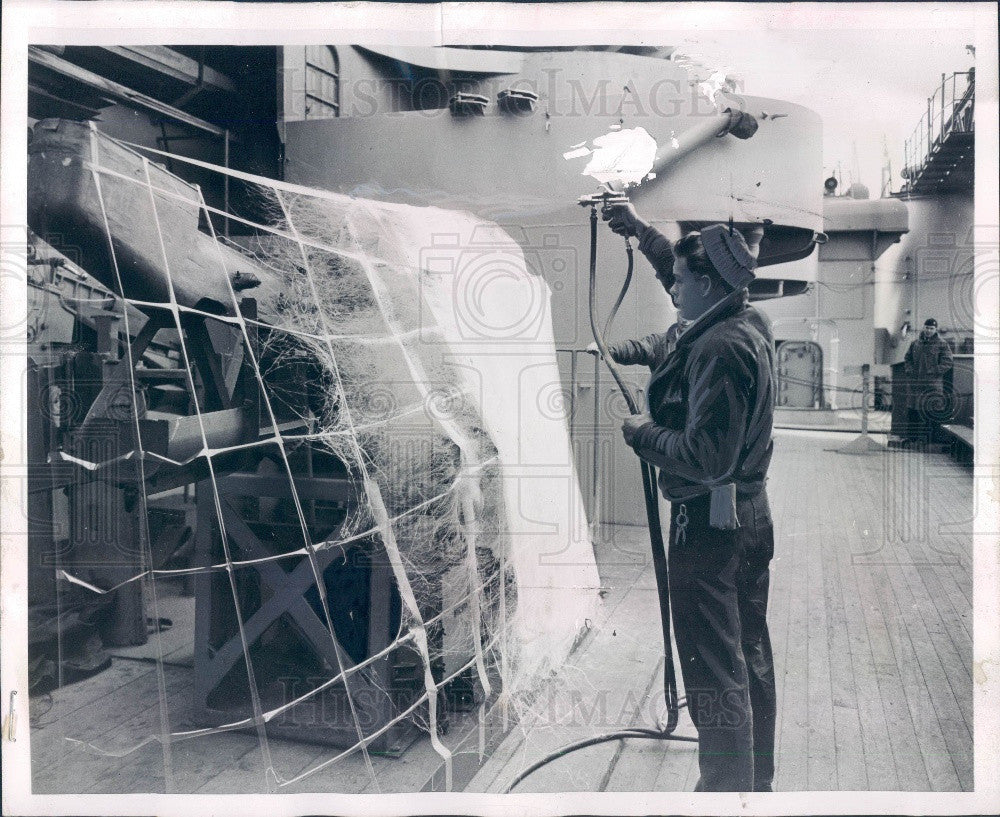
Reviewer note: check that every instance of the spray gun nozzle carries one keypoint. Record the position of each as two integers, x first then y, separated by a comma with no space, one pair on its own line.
605,198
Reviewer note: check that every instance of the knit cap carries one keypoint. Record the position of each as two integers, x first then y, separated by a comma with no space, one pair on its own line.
727,250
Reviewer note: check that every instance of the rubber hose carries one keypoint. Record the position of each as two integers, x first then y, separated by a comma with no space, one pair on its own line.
649,491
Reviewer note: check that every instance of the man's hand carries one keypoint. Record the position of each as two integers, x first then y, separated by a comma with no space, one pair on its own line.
632,424
594,349
623,219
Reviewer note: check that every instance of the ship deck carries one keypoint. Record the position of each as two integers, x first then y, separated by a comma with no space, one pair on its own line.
871,622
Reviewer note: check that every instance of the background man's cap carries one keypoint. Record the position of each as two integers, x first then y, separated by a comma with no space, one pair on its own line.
930,322
729,254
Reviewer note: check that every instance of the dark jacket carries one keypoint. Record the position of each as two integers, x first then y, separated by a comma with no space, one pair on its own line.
649,351
711,398
711,393
658,250
926,363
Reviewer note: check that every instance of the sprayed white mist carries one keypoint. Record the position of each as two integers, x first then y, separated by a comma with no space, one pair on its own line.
622,157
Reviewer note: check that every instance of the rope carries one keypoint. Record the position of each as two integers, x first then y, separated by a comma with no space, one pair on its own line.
144,538
217,499
381,513
243,723
320,582
214,568
467,498
462,495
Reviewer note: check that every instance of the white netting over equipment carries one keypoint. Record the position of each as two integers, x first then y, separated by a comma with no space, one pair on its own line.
402,355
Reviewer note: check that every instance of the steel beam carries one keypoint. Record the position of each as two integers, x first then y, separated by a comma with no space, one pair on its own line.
114,90
172,64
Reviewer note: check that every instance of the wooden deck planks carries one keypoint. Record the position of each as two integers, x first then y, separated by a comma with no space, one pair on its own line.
938,574
604,685
145,770
349,775
933,690
870,617
639,761
792,532
883,620
245,775
192,763
96,691
604,697
848,729
880,767
821,774
119,719
788,538
679,770
118,726
946,686
638,767
898,609
949,543
849,519
645,765
937,656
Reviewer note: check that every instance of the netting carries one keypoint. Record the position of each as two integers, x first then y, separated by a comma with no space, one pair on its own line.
400,352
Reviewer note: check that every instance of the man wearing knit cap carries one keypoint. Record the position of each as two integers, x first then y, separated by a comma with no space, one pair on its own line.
708,431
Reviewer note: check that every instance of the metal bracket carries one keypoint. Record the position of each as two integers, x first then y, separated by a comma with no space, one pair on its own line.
465,104
517,101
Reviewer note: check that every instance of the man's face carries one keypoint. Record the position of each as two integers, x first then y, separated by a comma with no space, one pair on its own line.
930,331
667,282
689,291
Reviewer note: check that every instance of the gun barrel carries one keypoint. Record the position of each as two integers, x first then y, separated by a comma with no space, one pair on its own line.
740,124
84,188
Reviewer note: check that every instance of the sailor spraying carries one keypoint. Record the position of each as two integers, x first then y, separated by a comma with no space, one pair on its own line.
708,431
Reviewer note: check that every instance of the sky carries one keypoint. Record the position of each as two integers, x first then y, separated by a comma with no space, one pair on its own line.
864,84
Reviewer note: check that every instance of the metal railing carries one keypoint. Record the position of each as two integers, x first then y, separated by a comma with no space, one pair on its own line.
950,109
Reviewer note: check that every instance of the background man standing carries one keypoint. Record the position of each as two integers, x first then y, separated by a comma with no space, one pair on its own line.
927,362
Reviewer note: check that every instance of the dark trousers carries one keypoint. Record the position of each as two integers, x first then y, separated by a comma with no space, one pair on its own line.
718,594
921,426
927,407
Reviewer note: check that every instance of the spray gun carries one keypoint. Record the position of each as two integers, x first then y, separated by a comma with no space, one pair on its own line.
606,197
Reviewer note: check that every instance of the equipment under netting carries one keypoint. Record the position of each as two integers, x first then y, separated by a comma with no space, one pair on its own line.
350,558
